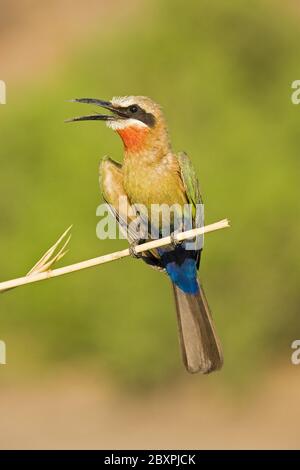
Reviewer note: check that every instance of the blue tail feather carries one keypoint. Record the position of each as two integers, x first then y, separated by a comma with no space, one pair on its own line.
184,275
181,266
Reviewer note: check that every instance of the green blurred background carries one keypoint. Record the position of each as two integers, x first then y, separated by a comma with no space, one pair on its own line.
222,72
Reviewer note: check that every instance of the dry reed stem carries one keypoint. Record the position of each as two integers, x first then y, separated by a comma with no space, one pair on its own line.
42,269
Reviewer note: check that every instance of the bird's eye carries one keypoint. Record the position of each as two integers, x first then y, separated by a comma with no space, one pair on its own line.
133,108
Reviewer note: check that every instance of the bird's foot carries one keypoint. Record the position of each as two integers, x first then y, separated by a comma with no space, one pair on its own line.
132,250
174,241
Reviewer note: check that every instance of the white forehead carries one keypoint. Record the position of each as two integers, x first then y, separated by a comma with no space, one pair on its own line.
123,100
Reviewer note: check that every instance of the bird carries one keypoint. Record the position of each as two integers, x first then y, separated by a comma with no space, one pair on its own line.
153,174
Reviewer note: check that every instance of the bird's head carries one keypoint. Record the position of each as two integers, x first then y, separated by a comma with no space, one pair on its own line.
137,119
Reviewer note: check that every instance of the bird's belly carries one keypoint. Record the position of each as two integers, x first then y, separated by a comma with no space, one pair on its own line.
159,196
151,188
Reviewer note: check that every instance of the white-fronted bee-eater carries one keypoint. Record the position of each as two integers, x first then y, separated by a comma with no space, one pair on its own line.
153,175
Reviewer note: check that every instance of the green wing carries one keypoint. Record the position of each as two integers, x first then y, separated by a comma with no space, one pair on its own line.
189,178
192,189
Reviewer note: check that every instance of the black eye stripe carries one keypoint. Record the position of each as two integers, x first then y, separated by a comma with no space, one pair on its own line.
139,113
133,108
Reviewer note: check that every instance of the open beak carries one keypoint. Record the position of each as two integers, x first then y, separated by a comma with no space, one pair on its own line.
116,113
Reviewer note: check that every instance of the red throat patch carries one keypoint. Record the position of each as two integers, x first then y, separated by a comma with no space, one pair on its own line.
133,137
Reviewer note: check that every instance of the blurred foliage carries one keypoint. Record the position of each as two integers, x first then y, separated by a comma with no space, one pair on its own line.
223,72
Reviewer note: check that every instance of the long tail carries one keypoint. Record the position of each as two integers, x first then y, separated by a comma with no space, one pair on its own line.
200,346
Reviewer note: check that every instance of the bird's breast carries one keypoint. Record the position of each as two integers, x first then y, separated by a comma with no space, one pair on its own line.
153,183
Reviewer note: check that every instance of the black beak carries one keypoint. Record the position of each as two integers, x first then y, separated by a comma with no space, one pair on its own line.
116,113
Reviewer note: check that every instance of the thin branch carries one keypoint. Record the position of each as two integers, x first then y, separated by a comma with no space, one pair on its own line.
49,258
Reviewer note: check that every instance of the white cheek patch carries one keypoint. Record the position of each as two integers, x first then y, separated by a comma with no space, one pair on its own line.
120,124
